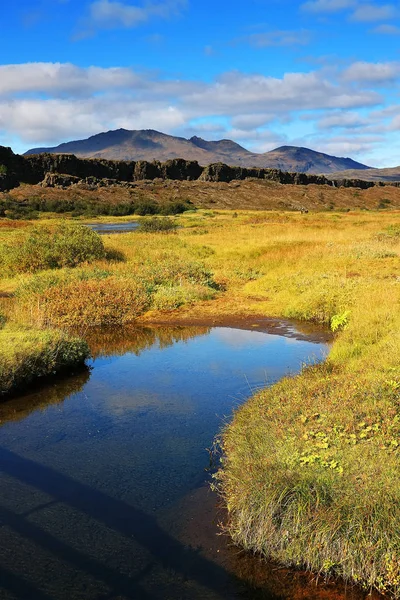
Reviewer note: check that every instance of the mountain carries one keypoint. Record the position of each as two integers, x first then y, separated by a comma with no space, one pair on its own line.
303,160
387,174
148,144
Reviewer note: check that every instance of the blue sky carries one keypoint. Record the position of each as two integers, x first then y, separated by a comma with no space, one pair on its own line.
320,73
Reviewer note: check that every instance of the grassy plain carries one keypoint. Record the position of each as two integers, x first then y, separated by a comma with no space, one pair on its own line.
310,466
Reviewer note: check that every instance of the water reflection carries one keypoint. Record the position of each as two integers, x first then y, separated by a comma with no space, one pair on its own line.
106,228
54,392
116,341
102,477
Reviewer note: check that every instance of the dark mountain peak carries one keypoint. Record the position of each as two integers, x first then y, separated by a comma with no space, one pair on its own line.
150,144
223,145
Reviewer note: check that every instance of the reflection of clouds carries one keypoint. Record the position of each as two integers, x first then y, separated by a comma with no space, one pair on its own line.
239,338
143,401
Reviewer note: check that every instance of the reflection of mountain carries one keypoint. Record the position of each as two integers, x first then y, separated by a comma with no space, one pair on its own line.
110,342
54,393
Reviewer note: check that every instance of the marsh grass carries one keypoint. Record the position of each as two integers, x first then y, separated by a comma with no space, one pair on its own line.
27,354
310,466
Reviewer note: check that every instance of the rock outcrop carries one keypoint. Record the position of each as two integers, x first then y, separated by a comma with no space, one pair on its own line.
65,170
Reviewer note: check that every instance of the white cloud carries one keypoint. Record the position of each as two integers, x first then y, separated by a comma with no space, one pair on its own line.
64,79
345,120
236,93
278,38
55,120
109,13
327,6
247,122
378,73
46,103
362,10
57,78
386,29
374,12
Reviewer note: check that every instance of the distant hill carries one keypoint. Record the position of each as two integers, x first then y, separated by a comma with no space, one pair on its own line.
387,175
148,144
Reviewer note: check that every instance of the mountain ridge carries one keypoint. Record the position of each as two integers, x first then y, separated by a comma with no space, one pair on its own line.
149,144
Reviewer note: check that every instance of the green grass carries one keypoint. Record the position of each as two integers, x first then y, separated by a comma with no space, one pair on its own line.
28,354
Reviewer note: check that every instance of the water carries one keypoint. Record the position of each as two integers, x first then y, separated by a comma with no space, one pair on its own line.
106,228
103,475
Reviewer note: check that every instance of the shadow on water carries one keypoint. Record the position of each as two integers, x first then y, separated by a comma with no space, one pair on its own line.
186,563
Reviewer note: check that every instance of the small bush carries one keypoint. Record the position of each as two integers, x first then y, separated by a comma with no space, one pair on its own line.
146,207
40,282
173,208
157,225
66,245
94,302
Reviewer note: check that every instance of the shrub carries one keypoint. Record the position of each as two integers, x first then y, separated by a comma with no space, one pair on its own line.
174,207
40,282
66,245
146,207
157,225
94,302
29,208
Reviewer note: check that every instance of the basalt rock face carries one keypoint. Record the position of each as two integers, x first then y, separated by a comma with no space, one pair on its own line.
359,183
8,182
181,169
68,164
146,170
12,167
54,180
64,170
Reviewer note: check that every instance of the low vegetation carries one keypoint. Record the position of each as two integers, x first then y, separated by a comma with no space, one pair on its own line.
158,225
309,466
86,205
63,245
28,354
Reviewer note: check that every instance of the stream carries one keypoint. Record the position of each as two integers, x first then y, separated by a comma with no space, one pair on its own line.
104,475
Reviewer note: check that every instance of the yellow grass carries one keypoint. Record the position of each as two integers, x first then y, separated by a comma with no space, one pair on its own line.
310,466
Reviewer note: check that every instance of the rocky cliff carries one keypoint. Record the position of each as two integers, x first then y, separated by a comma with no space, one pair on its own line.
64,170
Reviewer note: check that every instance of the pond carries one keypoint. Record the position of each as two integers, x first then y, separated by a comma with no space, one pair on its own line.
106,228
104,475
